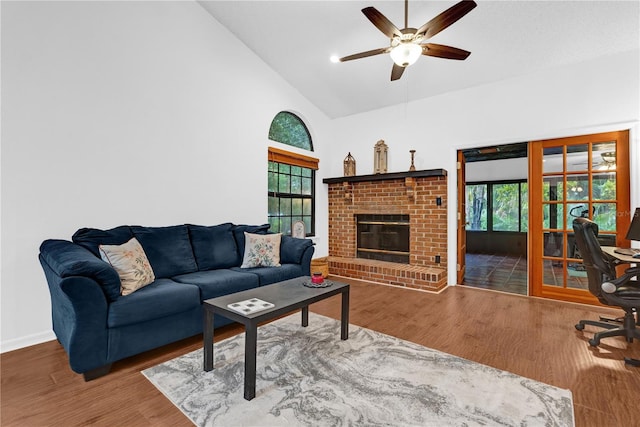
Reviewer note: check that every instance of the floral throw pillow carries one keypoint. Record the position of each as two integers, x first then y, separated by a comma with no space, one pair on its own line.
261,250
131,264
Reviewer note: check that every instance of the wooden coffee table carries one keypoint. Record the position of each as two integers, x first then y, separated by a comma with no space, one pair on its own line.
285,296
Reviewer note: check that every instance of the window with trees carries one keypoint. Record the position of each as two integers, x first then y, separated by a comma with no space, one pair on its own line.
506,201
291,176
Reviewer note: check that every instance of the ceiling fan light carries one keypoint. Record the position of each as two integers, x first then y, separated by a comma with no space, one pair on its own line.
406,54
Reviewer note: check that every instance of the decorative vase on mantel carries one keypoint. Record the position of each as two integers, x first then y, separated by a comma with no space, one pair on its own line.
349,165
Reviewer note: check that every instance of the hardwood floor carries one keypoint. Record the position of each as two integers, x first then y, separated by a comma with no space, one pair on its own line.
531,337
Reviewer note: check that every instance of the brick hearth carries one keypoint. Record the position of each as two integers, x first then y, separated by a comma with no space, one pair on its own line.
410,193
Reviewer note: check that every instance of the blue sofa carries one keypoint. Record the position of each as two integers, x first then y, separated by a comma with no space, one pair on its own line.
97,326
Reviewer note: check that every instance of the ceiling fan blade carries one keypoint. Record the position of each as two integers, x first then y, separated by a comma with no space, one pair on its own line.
396,72
381,22
365,54
446,18
442,51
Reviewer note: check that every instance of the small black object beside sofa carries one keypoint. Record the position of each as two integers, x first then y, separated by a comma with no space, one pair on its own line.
97,326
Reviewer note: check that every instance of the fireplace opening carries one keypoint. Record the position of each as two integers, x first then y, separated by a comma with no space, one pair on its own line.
383,237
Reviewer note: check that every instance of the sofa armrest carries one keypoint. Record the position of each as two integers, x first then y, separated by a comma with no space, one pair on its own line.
79,310
67,259
305,262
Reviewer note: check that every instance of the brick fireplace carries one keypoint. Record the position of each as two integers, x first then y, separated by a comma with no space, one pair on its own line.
419,197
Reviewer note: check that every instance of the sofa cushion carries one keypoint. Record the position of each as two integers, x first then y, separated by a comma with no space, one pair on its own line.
131,263
261,250
67,259
292,249
267,275
161,298
168,249
238,234
215,283
214,246
91,238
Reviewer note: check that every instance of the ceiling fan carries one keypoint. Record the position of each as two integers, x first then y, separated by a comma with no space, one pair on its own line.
405,47
607,161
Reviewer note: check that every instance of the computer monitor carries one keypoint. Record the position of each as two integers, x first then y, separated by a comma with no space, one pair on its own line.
634,227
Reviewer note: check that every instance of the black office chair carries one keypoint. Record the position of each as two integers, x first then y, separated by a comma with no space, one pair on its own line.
610,290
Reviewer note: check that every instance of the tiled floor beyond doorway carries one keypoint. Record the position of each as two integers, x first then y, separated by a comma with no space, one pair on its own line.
507,273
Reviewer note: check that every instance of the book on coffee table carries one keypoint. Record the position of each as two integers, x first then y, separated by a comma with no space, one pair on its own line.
250,306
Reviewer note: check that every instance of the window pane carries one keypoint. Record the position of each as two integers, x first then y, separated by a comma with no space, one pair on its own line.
604,186
306,209
578,157
506,207
284,184
274,224
552,214
552,188
273,182
289,129
604,214
285,207
296,207
576,210
306,172
307,223
552,160
273,206
553,244
476,211
285,225
296,185
577,187
284,168
604,156
296,170
306,185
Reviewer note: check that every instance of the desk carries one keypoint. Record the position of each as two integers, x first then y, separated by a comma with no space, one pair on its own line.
609,250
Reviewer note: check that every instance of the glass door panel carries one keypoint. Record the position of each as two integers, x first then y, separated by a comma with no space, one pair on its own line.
579,177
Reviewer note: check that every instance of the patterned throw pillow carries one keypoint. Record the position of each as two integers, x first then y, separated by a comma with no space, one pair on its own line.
131,263
261,250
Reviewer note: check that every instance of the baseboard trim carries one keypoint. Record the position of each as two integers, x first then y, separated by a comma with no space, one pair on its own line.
27,341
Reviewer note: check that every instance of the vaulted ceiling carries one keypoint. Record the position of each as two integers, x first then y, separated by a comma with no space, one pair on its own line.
506,39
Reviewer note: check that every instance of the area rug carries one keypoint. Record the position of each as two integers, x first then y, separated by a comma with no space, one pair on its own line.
309,377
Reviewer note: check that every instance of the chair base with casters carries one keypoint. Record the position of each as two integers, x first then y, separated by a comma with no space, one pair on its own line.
622,292
627,330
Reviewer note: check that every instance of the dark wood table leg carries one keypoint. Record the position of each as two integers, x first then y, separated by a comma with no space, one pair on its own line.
250,348
344,318
207,328
305,316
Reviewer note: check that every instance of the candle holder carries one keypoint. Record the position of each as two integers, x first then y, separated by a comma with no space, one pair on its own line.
412,167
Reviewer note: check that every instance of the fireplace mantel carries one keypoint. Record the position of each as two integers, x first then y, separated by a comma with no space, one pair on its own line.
386,176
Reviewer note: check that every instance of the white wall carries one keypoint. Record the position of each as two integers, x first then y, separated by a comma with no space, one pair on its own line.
595,96
117,113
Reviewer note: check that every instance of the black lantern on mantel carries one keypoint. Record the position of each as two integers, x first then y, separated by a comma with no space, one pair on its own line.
349,165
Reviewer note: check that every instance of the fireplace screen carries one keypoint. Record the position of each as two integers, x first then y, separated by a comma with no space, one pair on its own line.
383,237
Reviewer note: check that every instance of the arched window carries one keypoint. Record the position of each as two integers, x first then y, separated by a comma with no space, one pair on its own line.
291,191
289,129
